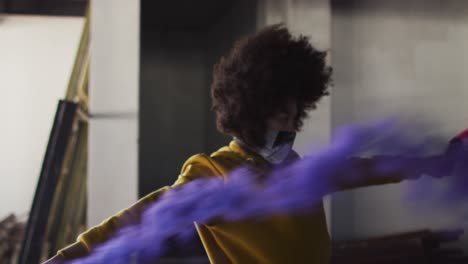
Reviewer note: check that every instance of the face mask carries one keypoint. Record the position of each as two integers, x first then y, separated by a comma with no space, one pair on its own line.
278,145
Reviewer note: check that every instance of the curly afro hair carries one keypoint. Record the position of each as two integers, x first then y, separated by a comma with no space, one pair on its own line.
260,75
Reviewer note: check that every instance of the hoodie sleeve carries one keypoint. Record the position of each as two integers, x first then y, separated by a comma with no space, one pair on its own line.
195,167
363,172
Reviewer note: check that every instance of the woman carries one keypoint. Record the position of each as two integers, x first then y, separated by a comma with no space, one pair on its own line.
261,93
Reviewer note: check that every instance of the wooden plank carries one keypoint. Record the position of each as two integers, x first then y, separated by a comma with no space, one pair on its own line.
78,82
51,169
58,212
70,220
62,192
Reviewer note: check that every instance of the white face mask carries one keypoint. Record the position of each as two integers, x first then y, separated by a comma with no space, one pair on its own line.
278,145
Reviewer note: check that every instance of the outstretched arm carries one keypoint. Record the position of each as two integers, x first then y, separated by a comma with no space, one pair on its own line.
362,172
195,167
392,169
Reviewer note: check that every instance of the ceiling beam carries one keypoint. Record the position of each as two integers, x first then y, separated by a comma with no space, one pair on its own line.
45,7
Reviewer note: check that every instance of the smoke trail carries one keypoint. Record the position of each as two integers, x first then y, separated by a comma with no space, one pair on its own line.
286,190
452,192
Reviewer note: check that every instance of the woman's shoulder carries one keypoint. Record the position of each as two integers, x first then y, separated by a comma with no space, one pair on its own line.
218,163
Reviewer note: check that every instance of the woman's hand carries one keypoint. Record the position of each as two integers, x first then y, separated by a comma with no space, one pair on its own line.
443,165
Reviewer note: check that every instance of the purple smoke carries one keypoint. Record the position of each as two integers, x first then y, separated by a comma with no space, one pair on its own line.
289,189
452,192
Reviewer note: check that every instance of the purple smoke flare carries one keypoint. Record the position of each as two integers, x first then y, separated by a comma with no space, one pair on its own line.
285,190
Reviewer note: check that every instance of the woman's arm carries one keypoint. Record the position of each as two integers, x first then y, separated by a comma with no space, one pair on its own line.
195,167
97,235
362,172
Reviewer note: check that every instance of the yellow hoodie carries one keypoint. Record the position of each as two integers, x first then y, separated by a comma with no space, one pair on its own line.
301,238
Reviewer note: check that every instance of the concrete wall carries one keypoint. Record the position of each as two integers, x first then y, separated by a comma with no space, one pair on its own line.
172,103
238,21
113,131
313,19
397,57
37,55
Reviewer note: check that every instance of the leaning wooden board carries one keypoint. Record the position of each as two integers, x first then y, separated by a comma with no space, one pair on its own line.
32,247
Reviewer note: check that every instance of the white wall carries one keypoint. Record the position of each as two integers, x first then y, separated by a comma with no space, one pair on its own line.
313,19
396,57
114,89
36,57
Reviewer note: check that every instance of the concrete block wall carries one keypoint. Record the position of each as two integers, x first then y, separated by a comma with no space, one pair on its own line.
404,58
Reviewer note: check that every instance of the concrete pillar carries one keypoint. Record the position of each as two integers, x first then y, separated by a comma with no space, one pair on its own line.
114,83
